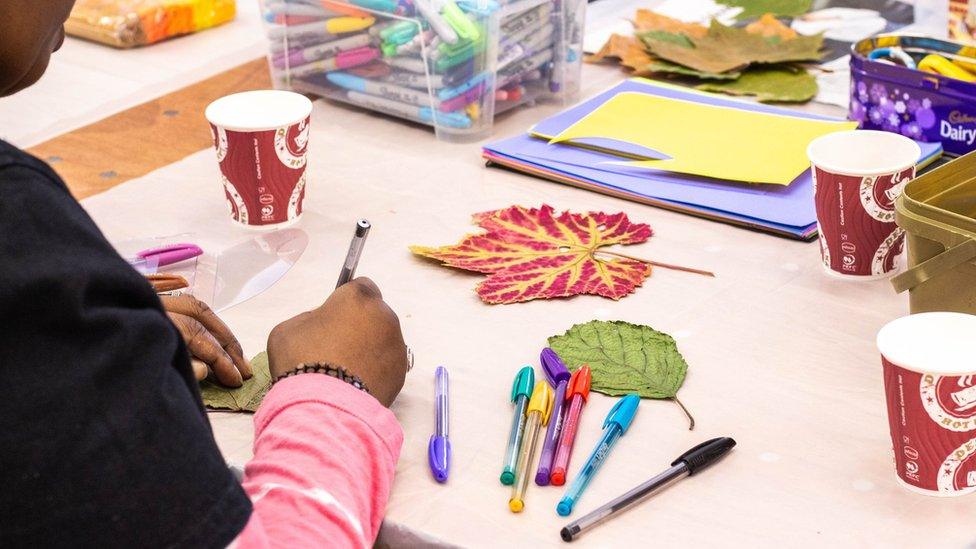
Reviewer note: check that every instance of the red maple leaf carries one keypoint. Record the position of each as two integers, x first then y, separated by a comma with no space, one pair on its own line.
534,253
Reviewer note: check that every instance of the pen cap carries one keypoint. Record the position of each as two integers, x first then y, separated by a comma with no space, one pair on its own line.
579,383
524,381
553,366
623,412
705,454
439,457
541,401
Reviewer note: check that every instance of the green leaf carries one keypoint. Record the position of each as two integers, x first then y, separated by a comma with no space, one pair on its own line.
756,8
625,358
769,85
675,38
725,49
666,67
245,398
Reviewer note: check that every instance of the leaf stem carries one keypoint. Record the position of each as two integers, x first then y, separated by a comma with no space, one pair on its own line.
657,264
691,425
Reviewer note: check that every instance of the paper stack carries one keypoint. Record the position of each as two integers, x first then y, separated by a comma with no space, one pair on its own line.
711,156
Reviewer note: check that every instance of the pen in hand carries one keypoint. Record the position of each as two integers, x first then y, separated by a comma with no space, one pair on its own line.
355,251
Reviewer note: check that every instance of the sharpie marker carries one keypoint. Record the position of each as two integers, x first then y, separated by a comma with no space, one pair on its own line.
389,6
460,101
412,64
532,44
329,49
425,115
614,427
274,13
341,7
515,71
380,89
448,93
331,27
437,23
458,20
345,60
414,80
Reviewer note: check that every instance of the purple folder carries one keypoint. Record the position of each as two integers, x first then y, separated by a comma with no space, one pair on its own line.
785,210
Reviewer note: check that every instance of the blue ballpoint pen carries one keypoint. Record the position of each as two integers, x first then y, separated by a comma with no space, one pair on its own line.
616,424
439,447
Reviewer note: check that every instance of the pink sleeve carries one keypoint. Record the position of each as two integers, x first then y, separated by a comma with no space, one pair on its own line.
324,457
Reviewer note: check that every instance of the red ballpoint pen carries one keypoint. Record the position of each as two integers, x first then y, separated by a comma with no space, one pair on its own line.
577,392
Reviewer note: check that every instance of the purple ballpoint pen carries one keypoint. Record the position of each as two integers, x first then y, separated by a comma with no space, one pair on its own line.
439,447
558,376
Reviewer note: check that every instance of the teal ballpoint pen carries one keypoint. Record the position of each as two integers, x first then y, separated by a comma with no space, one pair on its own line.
521,390
616,424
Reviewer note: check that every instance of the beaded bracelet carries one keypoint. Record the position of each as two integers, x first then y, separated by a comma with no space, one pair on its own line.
337,372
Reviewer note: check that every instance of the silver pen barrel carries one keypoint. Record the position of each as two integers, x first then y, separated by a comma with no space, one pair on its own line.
623,502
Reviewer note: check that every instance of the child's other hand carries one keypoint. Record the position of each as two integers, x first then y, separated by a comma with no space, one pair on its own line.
213,347
356,330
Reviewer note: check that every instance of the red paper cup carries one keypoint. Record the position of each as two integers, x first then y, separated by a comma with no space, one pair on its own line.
857,175
261,139
930,385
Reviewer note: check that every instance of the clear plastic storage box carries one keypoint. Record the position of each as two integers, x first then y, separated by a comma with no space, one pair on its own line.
452,64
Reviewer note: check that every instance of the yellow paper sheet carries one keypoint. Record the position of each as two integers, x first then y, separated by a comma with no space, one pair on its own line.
706,140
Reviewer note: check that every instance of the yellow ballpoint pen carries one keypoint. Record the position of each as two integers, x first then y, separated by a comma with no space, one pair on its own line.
540,406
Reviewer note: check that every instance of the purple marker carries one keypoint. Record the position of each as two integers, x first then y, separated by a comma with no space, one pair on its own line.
439,447
461,101
558,376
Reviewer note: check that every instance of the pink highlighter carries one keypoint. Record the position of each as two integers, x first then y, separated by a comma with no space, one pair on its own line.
577,391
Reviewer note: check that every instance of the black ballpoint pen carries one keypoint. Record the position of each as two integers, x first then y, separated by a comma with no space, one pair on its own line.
688,464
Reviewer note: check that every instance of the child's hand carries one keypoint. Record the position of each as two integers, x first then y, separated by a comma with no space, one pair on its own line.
212,346
354,330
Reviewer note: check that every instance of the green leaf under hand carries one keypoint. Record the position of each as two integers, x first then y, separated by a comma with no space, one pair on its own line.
725,49
625,358
769,85
245,398
756,8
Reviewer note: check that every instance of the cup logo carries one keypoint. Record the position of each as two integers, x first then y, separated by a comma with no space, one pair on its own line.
219,136
295,201
290,144
889,250
958,471
878,194
950,401
238,208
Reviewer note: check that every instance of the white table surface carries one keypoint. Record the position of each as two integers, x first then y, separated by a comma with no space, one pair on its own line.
781,356
87,81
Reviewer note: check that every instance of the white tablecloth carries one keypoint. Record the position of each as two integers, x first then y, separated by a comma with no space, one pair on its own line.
781,356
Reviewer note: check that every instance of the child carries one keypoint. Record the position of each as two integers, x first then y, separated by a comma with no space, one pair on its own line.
104,438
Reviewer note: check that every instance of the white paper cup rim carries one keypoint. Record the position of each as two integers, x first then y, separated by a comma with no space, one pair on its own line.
940,343
258,110
863,153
